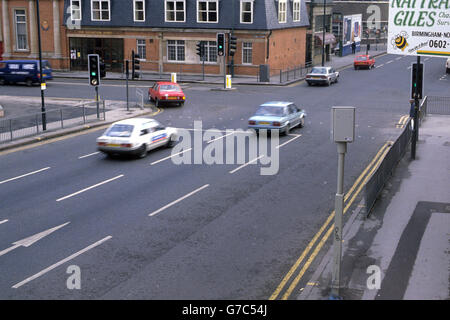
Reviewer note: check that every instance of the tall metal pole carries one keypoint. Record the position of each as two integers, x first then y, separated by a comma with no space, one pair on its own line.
41,78
97,102
127,72
339,211
323,39
415,136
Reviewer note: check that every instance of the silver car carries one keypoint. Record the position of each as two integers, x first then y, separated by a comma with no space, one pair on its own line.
322,75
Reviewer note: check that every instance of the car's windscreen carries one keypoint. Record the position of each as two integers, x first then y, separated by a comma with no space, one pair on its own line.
120,130
319,70
269,111
169,87
361,58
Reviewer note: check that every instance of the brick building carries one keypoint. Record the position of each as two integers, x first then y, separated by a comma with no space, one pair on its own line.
19,31
163,32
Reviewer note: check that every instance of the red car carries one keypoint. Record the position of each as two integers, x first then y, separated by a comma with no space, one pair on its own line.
166,92
364,61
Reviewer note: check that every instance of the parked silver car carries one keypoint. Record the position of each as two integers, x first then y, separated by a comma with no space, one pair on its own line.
322,75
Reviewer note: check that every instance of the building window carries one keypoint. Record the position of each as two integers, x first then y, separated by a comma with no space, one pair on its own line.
141,49
207,11
282,11
175,50
100,10
75,9
246,11
296,10
21,29
175,11
139,10
247,51
211,51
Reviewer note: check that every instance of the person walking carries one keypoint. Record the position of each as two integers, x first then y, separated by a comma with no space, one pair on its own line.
353,47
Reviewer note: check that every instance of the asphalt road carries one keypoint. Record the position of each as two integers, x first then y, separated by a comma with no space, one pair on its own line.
220,231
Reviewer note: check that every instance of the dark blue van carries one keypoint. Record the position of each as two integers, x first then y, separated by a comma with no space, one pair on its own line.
27,71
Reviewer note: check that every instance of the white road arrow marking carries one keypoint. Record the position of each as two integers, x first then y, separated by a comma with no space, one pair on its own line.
31,240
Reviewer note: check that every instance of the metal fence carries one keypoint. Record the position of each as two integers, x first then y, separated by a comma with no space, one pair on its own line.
438,105
376,182
378,179
30,125
295,73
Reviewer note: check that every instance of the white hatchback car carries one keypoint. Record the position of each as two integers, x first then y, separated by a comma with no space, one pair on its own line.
136,137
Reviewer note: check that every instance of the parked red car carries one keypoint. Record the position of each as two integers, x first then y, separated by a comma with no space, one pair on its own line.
364,61
166,92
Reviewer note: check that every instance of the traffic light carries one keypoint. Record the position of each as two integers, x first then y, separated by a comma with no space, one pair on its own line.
94,69
417,82
232,45
135,65
201,49
102,70
220,44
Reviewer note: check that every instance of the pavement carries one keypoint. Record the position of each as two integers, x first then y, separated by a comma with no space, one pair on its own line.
401,251
335,61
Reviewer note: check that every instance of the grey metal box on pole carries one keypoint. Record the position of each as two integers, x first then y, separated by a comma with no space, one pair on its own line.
343,124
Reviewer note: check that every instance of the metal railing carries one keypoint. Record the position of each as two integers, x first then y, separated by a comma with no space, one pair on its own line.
438,105
378,179
295,73
30,125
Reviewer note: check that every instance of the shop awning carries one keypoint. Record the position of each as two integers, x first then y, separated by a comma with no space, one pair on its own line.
329,38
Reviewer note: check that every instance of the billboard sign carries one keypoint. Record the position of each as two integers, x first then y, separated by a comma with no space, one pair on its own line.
419,27
351,29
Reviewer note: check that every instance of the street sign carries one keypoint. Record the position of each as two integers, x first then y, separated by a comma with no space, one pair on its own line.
419,28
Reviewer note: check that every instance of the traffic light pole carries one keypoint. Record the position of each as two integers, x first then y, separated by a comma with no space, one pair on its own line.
98,103
415,136
41,78
127,65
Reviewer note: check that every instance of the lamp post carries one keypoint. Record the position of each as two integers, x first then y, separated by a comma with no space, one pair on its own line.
323,38
41,77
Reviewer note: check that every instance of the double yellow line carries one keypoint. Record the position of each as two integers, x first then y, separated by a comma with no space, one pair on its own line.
351,194
401,123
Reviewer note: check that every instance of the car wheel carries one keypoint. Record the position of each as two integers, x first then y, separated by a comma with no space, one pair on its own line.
29,82
170,143
142,151
287,130
309,84
328,82
302,123
356,68
156,102
2,82
448,70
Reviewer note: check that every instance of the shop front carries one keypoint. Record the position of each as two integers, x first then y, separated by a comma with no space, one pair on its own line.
110,51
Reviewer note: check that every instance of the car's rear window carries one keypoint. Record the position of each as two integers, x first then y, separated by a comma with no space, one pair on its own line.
169,87
270,111
362,58
120,130
319,70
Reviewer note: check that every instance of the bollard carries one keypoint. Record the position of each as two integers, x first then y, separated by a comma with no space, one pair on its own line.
228,81
173,77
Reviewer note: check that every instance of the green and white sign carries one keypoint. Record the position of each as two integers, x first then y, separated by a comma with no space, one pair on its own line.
419,27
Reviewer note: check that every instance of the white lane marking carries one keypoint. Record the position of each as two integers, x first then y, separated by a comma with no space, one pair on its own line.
398,58
245,164
24,175
88,155
229,134
4,221
390,61
61,262
178,200
281,145
166,158
32,239
89,188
